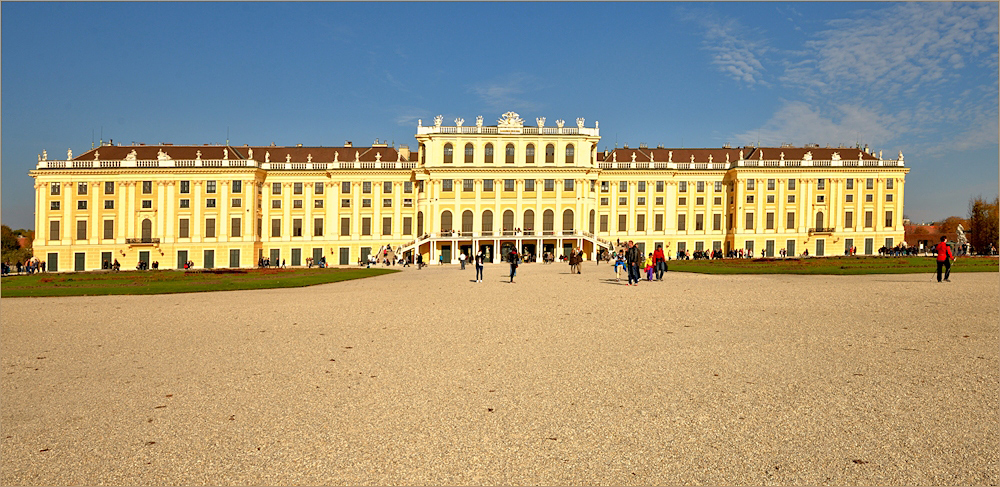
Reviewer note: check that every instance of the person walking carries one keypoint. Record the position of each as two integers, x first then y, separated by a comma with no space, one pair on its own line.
512,258
633,258
420,261
944,258
659,262
461,259
479,266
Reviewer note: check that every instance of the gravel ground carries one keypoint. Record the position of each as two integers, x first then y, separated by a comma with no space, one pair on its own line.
425,377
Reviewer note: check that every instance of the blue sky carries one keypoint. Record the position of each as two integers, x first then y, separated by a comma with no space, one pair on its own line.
916,77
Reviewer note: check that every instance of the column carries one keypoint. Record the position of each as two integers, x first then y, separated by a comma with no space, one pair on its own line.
308,226
670,208
477,215
355,210
286,212
835,204
68,229
879,224
265,215
169,212
223,206
332,224
650,218
780,217
397,210
519,204
41,214
161,209
130,213
539,188
95,217
196,202
806,205
122,217
377,212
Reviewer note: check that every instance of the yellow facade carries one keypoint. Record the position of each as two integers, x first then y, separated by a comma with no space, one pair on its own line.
535,188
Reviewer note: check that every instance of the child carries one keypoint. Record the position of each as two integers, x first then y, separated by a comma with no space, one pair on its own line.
619,265
649,267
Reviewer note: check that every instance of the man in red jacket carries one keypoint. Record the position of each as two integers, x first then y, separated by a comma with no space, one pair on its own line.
944,258
659,262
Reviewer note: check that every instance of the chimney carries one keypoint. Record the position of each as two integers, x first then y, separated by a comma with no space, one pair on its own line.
347,143
404,150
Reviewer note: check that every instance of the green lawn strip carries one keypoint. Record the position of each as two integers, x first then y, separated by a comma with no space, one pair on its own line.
167,282
831,265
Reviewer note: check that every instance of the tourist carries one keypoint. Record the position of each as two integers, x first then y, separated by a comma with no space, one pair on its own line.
633,259
461,259
944,258
420,261
619,265
512,258
479,266
648,267
659,262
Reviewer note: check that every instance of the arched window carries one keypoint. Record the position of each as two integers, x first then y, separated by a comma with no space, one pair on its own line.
569,154
448,153
529,222
487,222
469,152
568,221
508,221
529,154
592,217
819,220
445,221
550,153
467,221
147,230
489,153
548,222
420,223
510,154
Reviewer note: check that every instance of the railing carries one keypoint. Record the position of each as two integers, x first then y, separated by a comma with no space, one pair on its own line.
156,163
820,230
142,241
513,130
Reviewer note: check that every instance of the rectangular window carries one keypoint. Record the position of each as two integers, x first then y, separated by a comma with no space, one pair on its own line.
407,225
770,198
508,185
109,187
699,222
296,188
237,202
237,186
468,185
888,197
659,200
659,186
276,227
769,221
407,202
642,186
821,184
820,198
53,230
275,203
849,219
682,201
210,186
791,198
681,222
185,187
622,223
208,258
296,203
345,203
791,184
345,187
749,198
850,183
606,186
889,183
210,227
366,226
550,185
869,183
623,200
146,204
700,186
236,227
717,200
54,190
53,205
640,223
717,187
386,225
275,188
407,186
386,202
888,218
81,188
750,183
604,201
749,221
770,185
790,220
317,203
717,221
317,227
366,187
487,185
567,185
81,205
623,186
185,203
868,219
109,229
387,187
869,198
81,230
183,230
345,227
210,203
850,198
366,202
682,187
446,185
642,200
296,227
604,223
658,222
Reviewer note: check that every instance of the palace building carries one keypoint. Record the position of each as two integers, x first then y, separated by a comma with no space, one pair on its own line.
466,187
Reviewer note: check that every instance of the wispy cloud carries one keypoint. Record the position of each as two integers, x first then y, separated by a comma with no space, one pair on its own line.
734,54
800,123
508,93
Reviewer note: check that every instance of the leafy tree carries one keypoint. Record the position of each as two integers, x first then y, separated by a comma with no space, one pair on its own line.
984,228
950,224
11,251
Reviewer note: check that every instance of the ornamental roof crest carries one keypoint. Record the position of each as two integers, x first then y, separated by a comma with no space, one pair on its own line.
511,120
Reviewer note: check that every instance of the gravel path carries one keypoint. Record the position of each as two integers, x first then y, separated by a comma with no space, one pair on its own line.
424,377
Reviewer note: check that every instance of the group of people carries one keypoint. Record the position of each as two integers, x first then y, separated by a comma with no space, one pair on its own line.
111,266
30,267
265,262
630,259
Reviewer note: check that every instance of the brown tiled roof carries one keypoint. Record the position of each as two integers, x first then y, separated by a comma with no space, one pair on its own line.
277,153
818,153
719,155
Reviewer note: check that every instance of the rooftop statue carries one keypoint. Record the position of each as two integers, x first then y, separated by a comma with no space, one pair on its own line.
579,122
540,121
250,153
267,156
69,154
479,121
437,120
97,154
309,158
510,119
197,155
225,153
288,158
808,156
633,156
